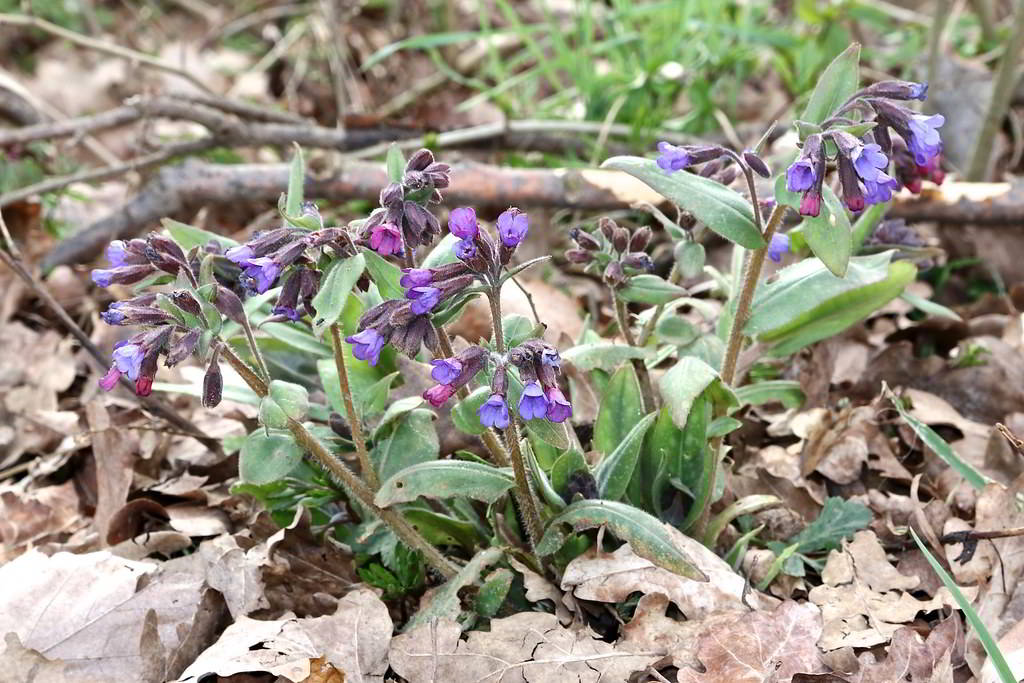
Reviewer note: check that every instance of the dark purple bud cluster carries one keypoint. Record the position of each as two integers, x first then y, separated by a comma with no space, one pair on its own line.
864,163
133,261
392,322
403,220
720,164
895,232
613,250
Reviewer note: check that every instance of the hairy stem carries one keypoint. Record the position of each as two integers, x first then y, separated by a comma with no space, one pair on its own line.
261,362
646,388
1002,93
333,464
354,423
525,495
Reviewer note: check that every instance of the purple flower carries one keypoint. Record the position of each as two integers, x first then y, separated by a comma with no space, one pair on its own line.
533,404
438,394
778,247
423,299
673,158
287,311
415,277
128,359
810,205
550,358
462,223
446,370
102,276
113,316
512,227
109,380
385,239
240,254
800,175
494,412
924,142
366,345
559,409
881,190
116,253
464,250
869,161
262,272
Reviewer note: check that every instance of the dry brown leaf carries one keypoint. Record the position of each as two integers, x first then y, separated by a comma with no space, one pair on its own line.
652,630
611,577
114,452
539,588
863,601
96,615
912,659
354,640
759,647
529,647
34,516
236,573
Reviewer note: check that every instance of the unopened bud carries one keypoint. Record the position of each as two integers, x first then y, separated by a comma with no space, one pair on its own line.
640,239
620,239
420,159
756,164
228,303
607,226
186,302
392,195
614,275
638,260
585,239
579,256
213,382
711,168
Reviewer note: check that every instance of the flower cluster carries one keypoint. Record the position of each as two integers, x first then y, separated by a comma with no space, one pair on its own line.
173,323
537,363
863,163
717,161
613,248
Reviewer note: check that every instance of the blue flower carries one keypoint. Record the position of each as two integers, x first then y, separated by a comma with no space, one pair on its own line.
462,223
559,408
869,161
366,345
102,276
464,249
800,175
415,277
672,157
550,358
881,190
446,370
128,359
240,254
512,227
116,253
113,316
924,142
262,272
778,247
287,311
494,412
533,403
423,299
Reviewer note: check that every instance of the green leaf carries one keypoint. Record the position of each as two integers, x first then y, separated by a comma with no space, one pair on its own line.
684,382
395,163
938,445
189,236
296,179
719,208
676,330
396,410
992,649
647,535
442,253
722,426
807,303
297,338
492,594
570,461
828,234
386,274
866,223
786,392
441,529
412,441
444,602
446,479
615,471
266,458
650,289
835,86
621,409
664,442
334,291
690,258
839,519
516,329
930,307
604,355
464,412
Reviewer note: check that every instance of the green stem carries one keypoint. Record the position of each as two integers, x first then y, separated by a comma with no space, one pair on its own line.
525,495
333,464
1002,92
354,423
646,388
261,362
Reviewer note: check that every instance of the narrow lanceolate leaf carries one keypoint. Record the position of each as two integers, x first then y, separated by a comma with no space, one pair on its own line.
784,391
835,85
646,534
188,236
615,471
296,179
602,355
716,206
938,445
446,479
622,407
829,234
650,289
334,291
395,163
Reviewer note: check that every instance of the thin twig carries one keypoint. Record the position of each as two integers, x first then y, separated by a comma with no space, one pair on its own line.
133,56
354,423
